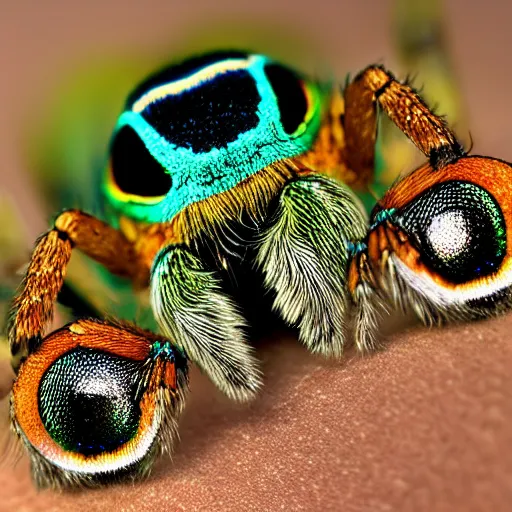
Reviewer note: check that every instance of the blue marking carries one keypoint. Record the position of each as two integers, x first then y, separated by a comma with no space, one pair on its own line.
162,349
355,248
382,216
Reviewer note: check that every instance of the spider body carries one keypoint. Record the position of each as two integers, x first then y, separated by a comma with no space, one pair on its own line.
233,142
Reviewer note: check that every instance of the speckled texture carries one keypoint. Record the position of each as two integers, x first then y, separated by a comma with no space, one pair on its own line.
423,425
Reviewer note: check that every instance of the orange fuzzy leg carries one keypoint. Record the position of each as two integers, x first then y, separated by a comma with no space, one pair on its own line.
33,306
405,108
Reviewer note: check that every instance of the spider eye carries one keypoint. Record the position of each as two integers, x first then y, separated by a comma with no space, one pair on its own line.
133,168
95,400
443,237
459,229
290,96
88,401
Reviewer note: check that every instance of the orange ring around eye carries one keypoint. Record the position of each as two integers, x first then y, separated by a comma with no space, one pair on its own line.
494,176
109,338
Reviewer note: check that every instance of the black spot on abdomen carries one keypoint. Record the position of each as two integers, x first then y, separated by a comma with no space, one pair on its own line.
208,116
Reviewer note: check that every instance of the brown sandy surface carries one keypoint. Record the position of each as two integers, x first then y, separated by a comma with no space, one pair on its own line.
422,425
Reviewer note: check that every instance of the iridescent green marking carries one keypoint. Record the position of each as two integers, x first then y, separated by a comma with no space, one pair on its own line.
498,223
172,353
381,216
196,175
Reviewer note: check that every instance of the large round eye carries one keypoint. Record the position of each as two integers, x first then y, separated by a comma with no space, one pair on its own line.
88,401
133,169
94,401
459,229
290,95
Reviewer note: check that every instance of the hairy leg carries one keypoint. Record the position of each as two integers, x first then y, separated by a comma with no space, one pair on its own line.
304,256
373,87
33,306
192,309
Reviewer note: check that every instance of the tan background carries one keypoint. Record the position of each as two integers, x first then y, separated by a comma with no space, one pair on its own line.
424,425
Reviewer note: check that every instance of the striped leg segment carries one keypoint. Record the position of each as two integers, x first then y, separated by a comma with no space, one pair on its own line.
405,108
32,309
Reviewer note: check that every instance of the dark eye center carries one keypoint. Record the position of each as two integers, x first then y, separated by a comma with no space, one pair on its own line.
134,169
88,403
459,228
291,100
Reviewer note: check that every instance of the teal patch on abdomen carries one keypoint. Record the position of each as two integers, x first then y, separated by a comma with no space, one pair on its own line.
210,131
